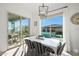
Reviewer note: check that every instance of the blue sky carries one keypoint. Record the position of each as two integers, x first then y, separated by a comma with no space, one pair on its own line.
52,20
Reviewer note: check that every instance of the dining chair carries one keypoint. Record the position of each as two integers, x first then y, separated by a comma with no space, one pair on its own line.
41,49
49,50
36,46
45,51
31,50
28,43
60,49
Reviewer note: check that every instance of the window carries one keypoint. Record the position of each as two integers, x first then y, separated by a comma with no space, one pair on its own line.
52,27
18,28
25,27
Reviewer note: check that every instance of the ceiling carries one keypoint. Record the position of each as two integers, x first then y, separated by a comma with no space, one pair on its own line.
32,8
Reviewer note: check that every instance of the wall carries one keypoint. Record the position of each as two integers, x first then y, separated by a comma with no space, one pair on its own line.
74,30
3,29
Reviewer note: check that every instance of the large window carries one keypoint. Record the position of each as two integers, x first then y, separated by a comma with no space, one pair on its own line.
52,27
18,28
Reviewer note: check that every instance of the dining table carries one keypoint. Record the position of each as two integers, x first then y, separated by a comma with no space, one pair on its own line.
53,43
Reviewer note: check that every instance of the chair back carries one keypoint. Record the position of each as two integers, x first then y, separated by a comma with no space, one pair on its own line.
60,49
41,49
29,43
35,45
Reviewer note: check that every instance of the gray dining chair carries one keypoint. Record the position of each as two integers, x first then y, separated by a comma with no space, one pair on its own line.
39,49
50,50
31,50
36,46
60,49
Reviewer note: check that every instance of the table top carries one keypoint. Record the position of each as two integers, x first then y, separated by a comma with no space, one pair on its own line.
51,42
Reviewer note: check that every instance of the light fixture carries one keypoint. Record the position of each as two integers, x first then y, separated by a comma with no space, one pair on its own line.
43,10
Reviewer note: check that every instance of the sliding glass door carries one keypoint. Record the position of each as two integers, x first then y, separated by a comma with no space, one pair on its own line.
18,29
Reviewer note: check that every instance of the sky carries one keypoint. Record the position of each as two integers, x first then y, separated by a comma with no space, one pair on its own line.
52,20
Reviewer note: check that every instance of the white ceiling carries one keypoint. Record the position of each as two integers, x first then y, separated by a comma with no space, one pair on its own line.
32,8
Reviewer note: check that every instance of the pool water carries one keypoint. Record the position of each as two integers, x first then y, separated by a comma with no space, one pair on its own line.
53,34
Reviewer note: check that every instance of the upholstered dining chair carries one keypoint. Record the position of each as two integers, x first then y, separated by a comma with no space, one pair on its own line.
36,46
60,49
49,50
40,50
31,50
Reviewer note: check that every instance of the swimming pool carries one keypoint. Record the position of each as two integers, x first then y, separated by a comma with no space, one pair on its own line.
52,34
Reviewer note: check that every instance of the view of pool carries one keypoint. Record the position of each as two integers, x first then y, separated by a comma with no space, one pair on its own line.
53,34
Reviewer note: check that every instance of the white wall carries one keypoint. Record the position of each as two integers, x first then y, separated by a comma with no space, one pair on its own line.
74,30
3,29
34,30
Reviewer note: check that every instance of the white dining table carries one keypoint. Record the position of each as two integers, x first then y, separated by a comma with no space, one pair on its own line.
49,42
